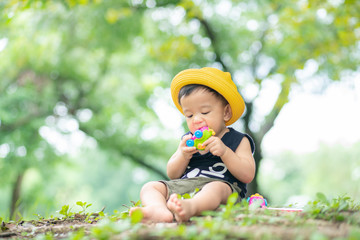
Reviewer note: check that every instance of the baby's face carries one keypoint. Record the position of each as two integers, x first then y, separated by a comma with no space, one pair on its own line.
202,108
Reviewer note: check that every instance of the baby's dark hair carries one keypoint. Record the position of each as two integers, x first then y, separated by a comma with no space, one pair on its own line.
188,89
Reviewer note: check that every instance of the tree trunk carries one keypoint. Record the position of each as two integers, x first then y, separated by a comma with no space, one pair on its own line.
16,191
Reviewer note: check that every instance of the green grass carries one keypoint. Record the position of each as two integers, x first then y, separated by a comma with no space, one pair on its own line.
322,218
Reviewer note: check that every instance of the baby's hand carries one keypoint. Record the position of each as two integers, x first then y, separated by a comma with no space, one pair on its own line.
186,151
215,146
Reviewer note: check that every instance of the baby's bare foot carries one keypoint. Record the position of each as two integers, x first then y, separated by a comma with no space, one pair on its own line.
154,214
181,208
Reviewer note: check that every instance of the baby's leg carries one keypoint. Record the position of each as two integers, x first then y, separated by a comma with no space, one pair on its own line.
153,198
209,198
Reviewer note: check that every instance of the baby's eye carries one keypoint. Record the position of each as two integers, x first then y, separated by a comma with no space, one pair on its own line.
189,116
204,113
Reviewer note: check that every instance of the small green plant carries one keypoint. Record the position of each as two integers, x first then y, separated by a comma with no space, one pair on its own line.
39,216
66,211
117,215
188,195
334,209
83,205
2,226
78,235
49,236
228,209
136,216
133,204
107,228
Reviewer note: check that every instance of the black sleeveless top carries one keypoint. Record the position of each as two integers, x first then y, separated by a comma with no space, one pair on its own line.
211,166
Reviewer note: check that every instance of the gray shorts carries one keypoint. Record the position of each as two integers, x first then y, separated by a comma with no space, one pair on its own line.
189,185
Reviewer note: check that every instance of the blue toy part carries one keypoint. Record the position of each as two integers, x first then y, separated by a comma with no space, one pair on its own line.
190,143
198,133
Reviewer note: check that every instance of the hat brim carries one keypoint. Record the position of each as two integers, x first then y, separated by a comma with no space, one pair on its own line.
227,89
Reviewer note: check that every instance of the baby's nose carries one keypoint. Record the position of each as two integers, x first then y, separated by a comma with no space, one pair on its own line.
198,118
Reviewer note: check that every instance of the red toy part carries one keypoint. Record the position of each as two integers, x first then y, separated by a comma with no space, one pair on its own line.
286,209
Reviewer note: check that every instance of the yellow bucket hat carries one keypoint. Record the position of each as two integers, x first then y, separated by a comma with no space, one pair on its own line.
214,78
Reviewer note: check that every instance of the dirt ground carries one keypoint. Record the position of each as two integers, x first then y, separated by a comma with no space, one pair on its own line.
277,226
30,229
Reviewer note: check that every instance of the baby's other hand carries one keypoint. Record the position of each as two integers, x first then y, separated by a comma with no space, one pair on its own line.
215,146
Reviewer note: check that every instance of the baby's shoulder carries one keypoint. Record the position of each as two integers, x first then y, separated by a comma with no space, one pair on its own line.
234,138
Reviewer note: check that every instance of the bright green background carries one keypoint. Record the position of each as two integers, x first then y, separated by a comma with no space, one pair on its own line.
82,82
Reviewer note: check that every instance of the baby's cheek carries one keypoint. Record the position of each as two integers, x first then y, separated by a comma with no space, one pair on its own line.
191,127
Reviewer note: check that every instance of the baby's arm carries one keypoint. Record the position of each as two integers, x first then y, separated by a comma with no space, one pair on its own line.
240,163
180,159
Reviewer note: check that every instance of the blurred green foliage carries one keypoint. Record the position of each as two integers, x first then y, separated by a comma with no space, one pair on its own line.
333,169
81,81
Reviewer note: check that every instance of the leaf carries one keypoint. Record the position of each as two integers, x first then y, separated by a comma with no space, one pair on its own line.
193,193
101,214
186,196
322,197
136,216
232,198
64,210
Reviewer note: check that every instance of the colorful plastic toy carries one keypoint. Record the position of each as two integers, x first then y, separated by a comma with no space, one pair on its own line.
261,201
199,137
257,199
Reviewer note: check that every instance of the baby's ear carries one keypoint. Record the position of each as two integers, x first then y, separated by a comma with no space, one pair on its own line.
227,113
